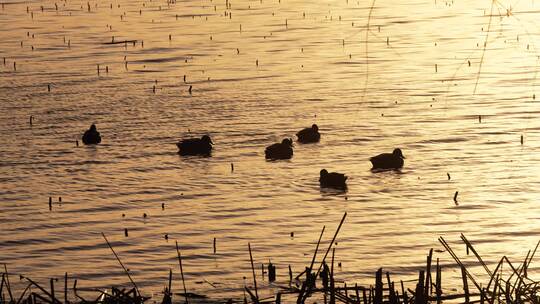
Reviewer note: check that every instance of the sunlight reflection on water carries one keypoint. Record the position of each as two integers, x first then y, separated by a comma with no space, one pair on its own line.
311,69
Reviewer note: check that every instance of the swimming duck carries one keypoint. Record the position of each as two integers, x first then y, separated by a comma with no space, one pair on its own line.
332,180
281,150
392,160
91,136
195,146
309,135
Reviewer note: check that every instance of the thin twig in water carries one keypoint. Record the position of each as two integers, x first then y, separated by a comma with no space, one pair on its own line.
8,285
331,243
484,47
304,296
367,51
253,270
119,261
181,270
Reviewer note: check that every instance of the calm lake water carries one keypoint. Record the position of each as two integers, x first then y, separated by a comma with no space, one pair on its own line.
408,77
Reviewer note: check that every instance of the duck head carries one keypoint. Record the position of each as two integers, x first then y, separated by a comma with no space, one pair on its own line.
324,172
93,128
207,139
315,128
287,141
397,153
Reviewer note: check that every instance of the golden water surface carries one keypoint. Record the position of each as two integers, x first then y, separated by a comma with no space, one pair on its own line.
374,75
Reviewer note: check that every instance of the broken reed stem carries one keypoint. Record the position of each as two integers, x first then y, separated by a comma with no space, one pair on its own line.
181,271
290,275
8,285
332,282
23,293
532,255
44,291
518,291
331,243
493,275
470,246
53,298
170,282
391,293
378,296
518,274
458,261
419,291
308,271
65,288
316,248
494,296
438,280
465,285
525,264
521,274
365,297
427,291
2,288
121,264
253,270
356,290
75,292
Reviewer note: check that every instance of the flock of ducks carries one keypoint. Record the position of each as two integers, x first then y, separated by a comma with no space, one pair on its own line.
283,150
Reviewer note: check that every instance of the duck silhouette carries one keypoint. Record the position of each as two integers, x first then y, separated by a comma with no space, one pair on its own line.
332,180
309,135
386,161
281,150
195,146
91,136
